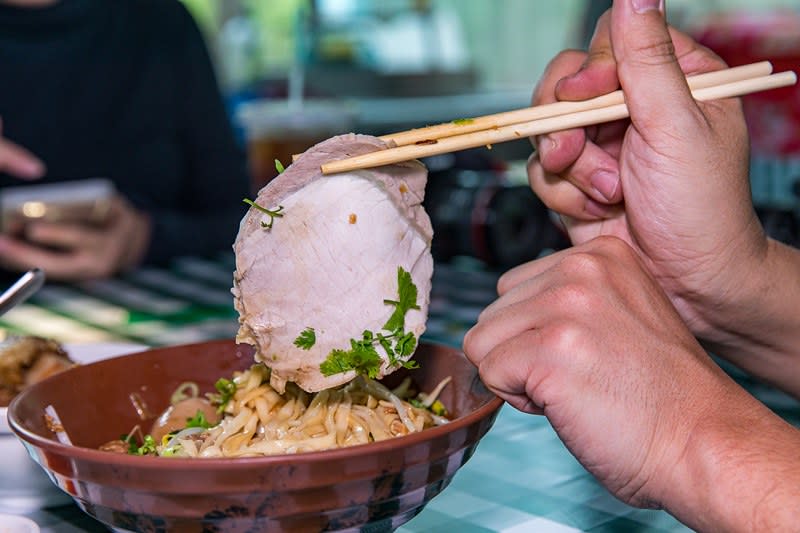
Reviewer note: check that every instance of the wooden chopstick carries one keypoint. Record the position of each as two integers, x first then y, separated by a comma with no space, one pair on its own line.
512,132
461,127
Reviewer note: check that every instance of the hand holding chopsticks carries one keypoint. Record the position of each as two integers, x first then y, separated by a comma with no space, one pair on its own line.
537,120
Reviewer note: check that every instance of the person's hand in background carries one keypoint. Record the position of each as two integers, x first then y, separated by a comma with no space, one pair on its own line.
17,161
73,252
673,183
587,337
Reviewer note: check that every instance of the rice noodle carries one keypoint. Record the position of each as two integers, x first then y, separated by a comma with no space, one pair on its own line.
259,421
428,399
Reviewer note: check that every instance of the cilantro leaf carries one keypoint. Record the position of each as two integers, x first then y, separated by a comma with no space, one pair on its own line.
406,344
279,166
386,343
410,364
338,361
362,357
306,339
406,300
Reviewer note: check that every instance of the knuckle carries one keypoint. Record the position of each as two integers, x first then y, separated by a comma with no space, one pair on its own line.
655,52
473,344
562,337
577,296
504,284
584,265
600,54
615,246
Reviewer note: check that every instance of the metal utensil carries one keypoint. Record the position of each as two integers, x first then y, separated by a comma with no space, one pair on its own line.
22,289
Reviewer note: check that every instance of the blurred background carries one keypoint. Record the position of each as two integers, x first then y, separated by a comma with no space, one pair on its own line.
294,72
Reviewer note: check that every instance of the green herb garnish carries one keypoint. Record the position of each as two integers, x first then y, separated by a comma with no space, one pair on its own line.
226,389
463,121
363,357
148,447
272,213
199,420
279,166
407,299
306,339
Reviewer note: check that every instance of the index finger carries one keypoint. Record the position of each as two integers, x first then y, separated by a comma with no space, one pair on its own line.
598,74
525,271
560,148
19,162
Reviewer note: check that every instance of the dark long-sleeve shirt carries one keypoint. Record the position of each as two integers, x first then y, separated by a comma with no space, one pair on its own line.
124,89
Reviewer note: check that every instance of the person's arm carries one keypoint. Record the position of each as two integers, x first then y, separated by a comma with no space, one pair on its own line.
740,472
587,337
756,324
673,183
216,180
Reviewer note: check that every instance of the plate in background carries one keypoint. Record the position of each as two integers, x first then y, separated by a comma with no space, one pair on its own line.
24,486
84,354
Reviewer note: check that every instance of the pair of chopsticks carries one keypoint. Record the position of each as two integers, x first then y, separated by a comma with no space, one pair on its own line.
537,120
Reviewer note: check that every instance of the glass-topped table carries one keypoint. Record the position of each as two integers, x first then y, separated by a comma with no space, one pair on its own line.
520,479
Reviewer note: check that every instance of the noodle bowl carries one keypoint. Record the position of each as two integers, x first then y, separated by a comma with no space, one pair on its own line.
377,486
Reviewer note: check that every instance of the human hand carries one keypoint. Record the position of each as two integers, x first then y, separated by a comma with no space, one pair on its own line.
672,181
17,161
587,337
72,252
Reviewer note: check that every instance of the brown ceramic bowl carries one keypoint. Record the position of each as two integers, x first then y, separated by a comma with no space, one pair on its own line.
382,484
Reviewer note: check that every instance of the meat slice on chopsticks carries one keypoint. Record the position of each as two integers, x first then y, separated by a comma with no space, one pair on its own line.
333,273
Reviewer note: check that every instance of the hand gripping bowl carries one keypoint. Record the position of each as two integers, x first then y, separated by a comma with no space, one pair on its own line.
379,485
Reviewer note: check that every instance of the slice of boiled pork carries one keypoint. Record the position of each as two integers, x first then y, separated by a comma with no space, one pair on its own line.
318,278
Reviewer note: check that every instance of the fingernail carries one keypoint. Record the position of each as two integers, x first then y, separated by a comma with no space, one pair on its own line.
643,6
606,183
546,143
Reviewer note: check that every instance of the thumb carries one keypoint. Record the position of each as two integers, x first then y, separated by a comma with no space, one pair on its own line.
654,84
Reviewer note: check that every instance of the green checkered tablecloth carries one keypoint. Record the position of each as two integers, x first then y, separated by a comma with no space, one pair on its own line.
521,477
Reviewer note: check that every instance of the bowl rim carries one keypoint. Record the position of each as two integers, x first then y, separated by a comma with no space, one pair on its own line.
91,455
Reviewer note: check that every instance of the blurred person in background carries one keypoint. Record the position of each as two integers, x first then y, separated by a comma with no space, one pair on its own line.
122,90
604,338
